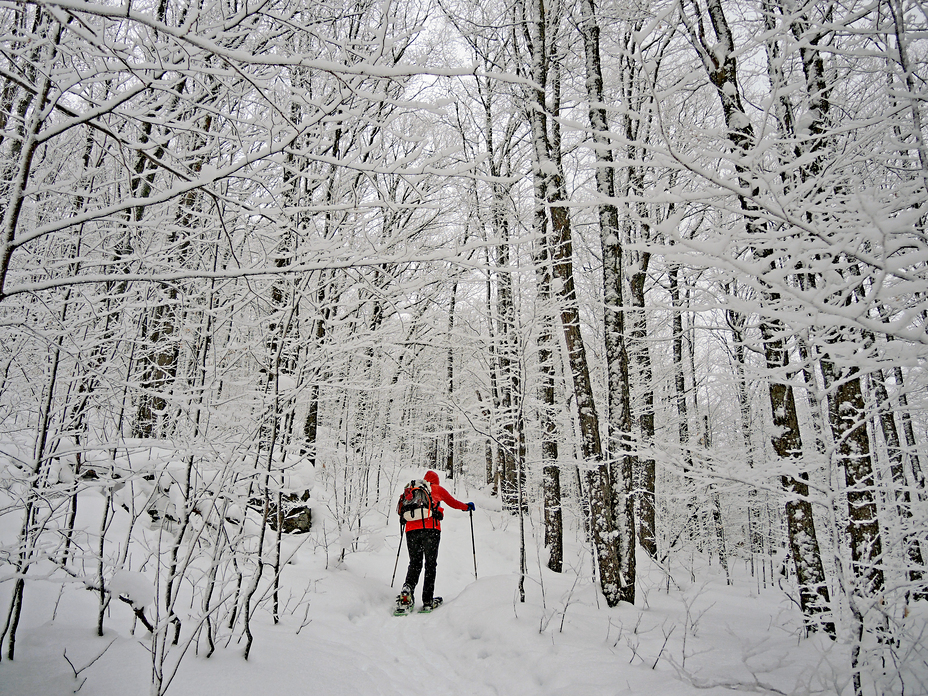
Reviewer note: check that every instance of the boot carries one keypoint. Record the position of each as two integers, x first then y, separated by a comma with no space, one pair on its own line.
405,596
433,604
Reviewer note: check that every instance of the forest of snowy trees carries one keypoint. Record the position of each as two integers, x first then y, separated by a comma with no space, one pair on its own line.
663,264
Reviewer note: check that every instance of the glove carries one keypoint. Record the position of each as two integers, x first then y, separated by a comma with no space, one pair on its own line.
471,507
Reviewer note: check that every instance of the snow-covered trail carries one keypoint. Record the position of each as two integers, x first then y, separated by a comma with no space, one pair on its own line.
483,640
338,635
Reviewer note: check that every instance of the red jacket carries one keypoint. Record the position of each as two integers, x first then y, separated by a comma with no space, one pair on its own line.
439,496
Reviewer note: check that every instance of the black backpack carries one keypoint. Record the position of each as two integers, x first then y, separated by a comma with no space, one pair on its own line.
416,502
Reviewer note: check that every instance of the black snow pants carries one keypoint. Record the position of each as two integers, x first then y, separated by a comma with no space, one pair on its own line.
422,545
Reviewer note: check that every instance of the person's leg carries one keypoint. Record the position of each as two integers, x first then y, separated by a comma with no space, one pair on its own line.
414,541
430,542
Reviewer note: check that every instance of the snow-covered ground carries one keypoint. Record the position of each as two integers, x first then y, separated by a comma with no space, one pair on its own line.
337,635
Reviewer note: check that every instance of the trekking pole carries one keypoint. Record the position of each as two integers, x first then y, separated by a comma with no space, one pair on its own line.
473,545
398,548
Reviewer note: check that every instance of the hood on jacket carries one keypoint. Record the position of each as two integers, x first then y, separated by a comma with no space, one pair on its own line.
431,477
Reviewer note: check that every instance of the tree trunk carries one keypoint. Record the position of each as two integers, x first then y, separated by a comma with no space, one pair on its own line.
690,529
550,197
847,414
551,479
852,447
901,490
449,452
736,322
647,469
619,400
719,62
12,210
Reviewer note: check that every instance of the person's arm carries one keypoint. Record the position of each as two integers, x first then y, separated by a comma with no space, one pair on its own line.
444,496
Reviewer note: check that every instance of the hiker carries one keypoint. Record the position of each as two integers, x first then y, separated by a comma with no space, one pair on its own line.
422,538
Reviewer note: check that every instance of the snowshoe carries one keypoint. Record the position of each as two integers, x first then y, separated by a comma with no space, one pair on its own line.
401,609
431,606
